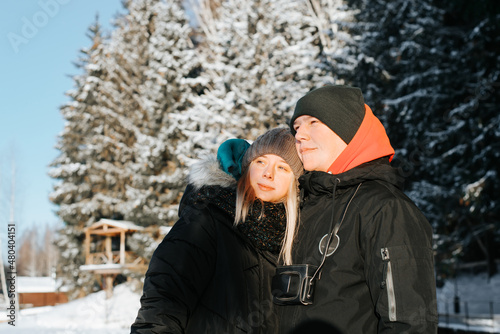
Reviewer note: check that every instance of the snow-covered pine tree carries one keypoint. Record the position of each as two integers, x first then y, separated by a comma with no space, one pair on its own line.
337,59
156,69
259,58
93,151
469,142
431,67
90,148
119,148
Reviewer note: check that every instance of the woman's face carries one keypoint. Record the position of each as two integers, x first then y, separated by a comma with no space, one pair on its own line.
270,177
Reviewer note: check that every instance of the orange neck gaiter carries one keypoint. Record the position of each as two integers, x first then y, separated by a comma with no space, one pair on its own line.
369,143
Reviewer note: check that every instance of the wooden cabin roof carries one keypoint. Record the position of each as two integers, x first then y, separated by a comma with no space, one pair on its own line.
109,226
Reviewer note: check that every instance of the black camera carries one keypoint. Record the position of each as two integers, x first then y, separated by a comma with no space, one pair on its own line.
294,284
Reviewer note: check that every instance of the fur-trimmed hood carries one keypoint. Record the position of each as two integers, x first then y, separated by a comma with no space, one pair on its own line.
207,172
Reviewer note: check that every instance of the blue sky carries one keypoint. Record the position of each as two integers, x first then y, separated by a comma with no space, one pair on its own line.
39,43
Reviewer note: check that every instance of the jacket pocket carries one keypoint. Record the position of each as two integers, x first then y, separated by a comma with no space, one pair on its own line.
387,284
408,290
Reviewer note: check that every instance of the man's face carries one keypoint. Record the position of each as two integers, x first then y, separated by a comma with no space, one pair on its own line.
318,146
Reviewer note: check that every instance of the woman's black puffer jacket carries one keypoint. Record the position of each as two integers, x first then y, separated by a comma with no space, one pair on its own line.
206,276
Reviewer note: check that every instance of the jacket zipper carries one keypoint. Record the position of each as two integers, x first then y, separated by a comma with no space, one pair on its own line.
388,283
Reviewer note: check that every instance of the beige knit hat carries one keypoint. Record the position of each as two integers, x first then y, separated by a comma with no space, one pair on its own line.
278,141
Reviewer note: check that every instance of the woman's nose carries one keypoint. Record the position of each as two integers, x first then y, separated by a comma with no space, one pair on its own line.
268,173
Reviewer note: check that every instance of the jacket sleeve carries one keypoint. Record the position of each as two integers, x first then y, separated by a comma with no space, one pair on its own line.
400,268
180,269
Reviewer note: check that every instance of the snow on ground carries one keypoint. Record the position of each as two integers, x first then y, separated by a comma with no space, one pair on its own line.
475,290
93,314
479,303
96,315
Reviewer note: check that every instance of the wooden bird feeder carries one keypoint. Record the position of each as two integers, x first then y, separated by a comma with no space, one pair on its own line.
106,253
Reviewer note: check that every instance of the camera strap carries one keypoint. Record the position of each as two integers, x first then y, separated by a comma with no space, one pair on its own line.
333,230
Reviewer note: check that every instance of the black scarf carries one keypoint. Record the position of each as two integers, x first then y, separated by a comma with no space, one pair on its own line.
264,225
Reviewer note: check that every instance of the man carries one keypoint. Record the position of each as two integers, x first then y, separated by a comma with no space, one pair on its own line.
378,271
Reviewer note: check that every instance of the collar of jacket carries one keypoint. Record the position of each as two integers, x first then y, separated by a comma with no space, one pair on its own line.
318,183
205,172
208,172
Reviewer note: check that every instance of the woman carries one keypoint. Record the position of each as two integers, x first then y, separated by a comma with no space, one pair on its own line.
212,272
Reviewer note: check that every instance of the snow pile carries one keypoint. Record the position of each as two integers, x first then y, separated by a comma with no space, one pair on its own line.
92,314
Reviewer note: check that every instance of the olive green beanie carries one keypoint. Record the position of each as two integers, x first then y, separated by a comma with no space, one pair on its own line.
341,108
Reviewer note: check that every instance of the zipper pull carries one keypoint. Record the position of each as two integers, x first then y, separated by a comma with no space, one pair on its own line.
385,254
385,257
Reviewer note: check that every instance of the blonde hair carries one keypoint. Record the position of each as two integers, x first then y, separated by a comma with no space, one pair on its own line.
245,197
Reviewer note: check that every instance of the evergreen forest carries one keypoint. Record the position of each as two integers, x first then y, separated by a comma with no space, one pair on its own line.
174,79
